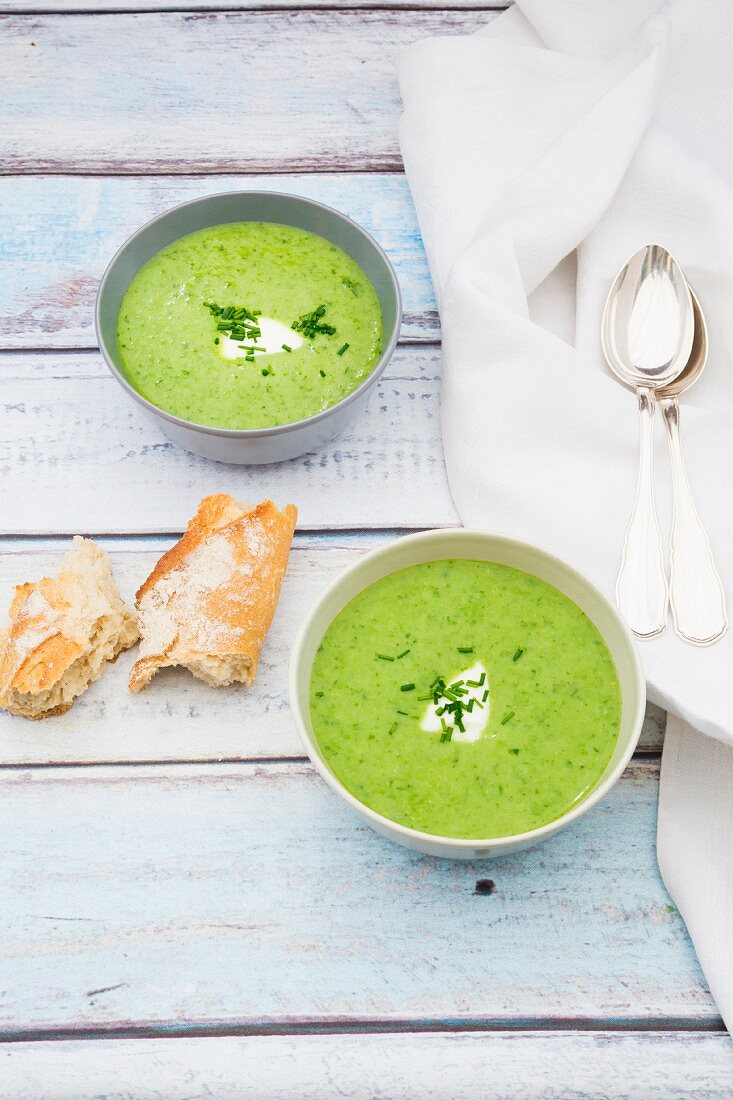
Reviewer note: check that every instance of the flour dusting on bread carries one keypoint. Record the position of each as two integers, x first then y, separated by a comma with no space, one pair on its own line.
183,594
209,602
63,630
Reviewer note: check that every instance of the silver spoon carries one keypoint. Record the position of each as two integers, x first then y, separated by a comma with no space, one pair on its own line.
696,590
647,332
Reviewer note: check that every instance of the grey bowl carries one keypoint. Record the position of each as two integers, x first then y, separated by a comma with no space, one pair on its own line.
251,445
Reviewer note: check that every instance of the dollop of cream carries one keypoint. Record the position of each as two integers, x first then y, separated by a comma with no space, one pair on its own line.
273,334
475,721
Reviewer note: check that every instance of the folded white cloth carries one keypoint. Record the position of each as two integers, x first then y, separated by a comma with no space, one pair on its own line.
541,152
694,848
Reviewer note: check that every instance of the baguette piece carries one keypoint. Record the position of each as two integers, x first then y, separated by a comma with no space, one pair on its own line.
209,601
62,632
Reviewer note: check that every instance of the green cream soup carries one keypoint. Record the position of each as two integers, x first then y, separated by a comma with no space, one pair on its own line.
249,325
465,699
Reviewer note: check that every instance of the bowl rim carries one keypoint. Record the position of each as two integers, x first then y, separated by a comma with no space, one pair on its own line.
437,840
275,429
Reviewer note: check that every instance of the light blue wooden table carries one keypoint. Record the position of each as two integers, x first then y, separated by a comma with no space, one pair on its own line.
185,909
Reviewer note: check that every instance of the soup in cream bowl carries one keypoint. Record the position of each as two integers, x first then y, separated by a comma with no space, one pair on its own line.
467,694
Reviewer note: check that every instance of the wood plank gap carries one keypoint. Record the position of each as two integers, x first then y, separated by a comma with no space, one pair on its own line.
171,762
371,165
216,8
145,171
320,533
365,1026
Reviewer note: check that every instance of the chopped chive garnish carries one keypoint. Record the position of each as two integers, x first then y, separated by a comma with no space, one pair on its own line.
485,696
392,728
286,347
403,654
465,649
216,339
238,322
342,349
446,736
319,695
403,712
423,698
457,684
507,717
311,324
322,373
443,725
407,687
384,657
518,654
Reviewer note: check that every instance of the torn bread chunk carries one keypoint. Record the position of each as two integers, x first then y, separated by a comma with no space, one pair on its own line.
209,602
63,630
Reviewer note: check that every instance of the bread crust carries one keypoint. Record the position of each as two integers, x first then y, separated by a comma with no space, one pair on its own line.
208,603
213,513
63,630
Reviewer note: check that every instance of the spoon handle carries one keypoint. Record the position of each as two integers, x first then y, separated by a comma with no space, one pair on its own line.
696,590
641,589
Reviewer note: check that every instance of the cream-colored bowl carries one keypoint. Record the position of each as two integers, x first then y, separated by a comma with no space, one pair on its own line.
476,545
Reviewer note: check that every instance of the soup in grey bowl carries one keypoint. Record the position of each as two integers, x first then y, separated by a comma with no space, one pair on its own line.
191,361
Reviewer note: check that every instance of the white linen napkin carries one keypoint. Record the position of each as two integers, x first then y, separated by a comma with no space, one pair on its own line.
541,152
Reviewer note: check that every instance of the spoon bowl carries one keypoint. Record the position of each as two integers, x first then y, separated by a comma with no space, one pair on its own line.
648,321
695,365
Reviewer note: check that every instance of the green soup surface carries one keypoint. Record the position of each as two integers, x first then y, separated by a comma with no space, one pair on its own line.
549,700
171,339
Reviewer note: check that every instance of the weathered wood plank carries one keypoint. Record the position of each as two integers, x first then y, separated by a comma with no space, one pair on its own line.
207,91
178,717
250,895
57,235
593,1066
78,456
